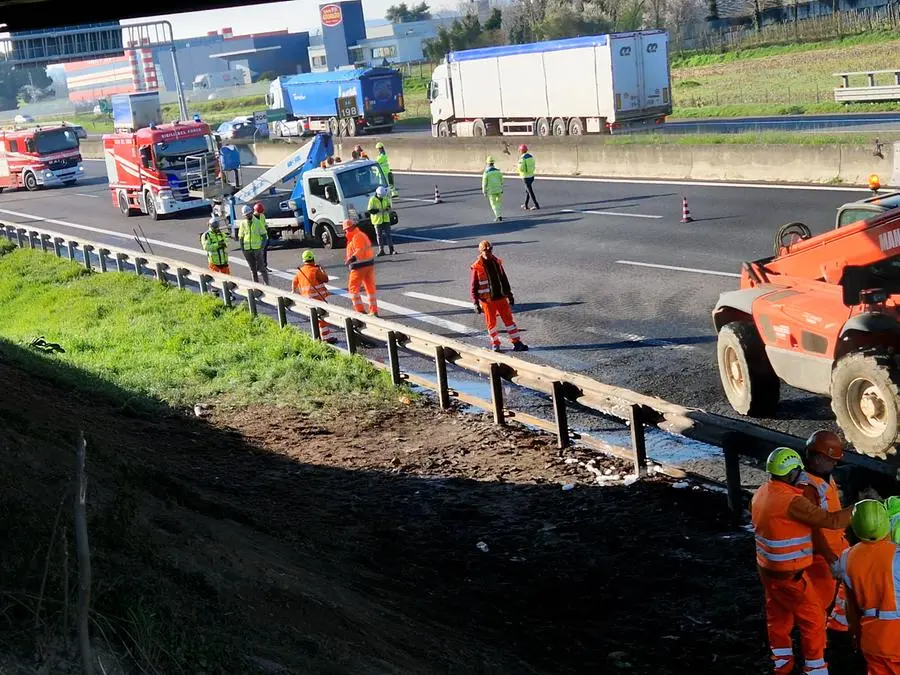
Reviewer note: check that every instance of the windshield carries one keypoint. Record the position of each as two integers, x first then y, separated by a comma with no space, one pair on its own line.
57,140
361,181
172,153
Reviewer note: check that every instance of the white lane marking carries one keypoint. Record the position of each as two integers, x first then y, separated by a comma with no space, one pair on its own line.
675,268
81,194
438,298
634,337
414,199
628,181
611,213
413,236
397,309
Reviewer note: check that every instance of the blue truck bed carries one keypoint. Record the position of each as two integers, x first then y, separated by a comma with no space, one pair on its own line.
378,91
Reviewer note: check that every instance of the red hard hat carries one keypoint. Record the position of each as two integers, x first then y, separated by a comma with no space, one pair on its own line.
825,443
523,148
258,208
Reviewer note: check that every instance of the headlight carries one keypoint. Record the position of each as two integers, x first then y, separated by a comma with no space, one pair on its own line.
48,174
165,194
292,205
80,168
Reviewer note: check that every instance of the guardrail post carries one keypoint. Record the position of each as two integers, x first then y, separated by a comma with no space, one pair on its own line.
101,254
350,330
282,304
560,416
45,239
497,395
57,246
179,278
204,283
138,264
226,293
636,420
394,357
733,477
120,262
251,301
72,244
86,251
19,233
440,364
31,235
161,277
314,323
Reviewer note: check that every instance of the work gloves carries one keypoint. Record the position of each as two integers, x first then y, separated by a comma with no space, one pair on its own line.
512,300
477,307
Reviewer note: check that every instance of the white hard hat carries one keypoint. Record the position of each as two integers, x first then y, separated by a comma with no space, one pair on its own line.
213,222
381,191
246,210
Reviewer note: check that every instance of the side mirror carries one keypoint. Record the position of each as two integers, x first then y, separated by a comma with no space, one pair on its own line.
145,157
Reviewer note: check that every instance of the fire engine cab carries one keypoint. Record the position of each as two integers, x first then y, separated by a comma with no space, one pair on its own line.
155,168
39,156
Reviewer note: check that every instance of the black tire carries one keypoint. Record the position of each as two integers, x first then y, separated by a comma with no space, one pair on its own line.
542,127
750,384
31,183
576,127
443,130
150,203
478,128
865,398
351,127
559,127
333,125
326,235
126,210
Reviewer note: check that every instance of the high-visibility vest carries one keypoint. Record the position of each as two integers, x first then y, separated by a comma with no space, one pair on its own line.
526,165
484,284
871,570
252,234
360,248
492,181
782,543
215,245
383,210
382,160
829,499
310,281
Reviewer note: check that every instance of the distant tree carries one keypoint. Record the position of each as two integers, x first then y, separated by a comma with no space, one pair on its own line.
404,14
267,76
712,10
23,84
495,20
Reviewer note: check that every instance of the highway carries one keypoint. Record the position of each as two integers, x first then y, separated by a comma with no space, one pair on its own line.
607,281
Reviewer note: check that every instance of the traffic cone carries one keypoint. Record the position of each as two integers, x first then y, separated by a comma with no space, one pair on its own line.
437,196
685,211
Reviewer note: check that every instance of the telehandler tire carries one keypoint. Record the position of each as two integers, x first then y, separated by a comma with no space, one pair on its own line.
750,384
865,398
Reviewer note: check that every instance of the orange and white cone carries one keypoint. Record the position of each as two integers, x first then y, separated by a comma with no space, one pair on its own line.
437,196
685,211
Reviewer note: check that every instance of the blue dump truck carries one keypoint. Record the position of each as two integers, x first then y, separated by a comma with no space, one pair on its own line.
342,102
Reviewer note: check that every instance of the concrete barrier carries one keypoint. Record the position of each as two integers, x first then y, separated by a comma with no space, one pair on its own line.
91,149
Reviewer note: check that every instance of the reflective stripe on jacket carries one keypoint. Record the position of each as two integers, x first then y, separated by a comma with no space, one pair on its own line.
216,246
782,543
359,252
252,234
382,210
828,498
310,282
526,165
489,281
871,571
492,181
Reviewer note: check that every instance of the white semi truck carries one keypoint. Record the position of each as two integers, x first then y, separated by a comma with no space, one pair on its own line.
594,84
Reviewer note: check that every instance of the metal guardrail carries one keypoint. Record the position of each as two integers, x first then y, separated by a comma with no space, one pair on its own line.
736,437
872,92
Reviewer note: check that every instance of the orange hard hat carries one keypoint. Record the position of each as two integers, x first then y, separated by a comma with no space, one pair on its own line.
523,148
258,208
485,245
874,182
349,224
826,443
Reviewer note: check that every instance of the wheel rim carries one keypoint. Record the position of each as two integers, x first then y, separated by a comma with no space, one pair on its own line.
30,181
734,372
575,130
327,241
151,206
867,407
559,129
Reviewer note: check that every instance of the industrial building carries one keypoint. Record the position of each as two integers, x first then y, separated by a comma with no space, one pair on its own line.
144,68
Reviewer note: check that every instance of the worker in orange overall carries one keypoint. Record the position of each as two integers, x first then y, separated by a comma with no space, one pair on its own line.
310,282
823,451
870,571
492,295
360,259
783,519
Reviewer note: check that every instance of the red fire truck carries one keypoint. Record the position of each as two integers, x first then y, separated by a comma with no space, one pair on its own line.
39,156
162,169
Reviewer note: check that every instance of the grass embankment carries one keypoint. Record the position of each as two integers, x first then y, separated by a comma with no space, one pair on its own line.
780,80
748,138
169,346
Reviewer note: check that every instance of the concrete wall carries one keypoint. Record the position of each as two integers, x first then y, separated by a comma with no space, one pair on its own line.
839,164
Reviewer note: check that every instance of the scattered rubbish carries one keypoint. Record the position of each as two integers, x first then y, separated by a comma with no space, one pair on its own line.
405,400
517,558
201,410
681,485
41,345
630,480
482,547
571,460
568,486
608,472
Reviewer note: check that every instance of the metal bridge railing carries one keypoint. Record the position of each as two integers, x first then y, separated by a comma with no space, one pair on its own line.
736,437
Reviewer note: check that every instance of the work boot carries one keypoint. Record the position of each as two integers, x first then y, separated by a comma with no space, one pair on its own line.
380,253
498,219
520,346
524,207
496,348
393,252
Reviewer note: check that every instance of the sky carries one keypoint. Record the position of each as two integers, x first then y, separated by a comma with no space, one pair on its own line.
295,15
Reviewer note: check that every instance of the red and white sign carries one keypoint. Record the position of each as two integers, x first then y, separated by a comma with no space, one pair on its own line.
331,15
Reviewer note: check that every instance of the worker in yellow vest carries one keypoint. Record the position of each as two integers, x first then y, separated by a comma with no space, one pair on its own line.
253,237
526,173
492,188
215,243
379,210
382,160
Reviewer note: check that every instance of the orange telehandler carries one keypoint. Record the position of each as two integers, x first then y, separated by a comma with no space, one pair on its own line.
822,315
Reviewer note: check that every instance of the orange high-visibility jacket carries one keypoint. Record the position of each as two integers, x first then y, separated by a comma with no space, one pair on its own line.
828,499
490,284
310,282
871,570
782,543
359,251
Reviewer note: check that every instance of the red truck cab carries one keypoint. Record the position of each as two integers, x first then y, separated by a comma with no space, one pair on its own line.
39,156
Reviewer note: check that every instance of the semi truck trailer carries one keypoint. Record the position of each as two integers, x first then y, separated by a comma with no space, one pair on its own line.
370,99
594,84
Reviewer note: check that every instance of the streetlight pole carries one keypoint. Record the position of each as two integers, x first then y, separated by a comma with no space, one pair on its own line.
182,104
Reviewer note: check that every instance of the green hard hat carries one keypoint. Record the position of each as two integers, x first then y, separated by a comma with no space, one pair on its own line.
782,461
870,520
489,160
308,256
379,145
892,504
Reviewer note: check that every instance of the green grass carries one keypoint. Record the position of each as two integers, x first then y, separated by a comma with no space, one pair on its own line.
769,109
761,138
170,346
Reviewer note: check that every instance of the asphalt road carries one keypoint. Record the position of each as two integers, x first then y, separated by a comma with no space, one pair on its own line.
607,281
848,123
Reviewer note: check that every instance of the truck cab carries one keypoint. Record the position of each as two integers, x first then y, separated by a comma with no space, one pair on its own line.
42,156
863,209
440,101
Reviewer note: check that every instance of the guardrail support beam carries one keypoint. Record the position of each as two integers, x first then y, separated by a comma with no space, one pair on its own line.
394,357
226,293
101,254
138,264
19,233
161,277
72,245
180,275
560,416
31,235
282,312
440,365
45,239
251,301
638,444
120,262
204,283
497,395
86,252
733,477
314,323
57,246
350,331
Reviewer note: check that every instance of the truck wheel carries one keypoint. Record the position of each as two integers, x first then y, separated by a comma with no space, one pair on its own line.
126,210
478,128
150,203
576,127
31,183
333,125
541,127
559,127
443,130
865,398
750,384
351,127
326,236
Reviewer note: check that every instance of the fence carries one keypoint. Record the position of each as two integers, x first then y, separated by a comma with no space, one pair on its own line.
735,437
